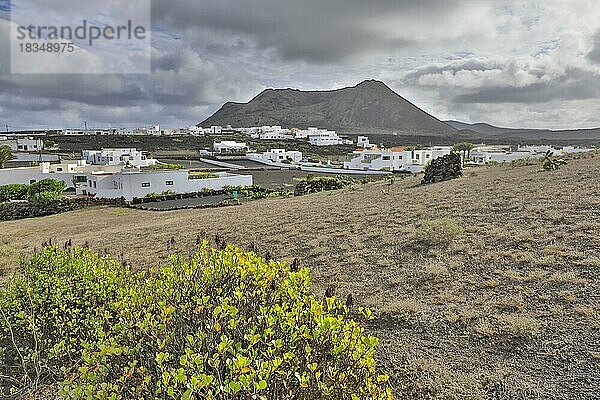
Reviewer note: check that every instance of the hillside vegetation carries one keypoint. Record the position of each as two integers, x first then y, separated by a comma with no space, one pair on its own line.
220,324
482,287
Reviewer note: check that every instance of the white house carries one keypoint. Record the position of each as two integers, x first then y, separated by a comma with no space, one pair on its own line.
213,130
575,150
24,144
123,156
175,131
196,130
230,146
363,143
304,133
490,154
274,136
539,149
279,156
72,173
115,181
394,159
324,138
130,183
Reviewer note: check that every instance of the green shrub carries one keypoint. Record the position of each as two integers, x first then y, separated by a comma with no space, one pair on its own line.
320,184
13,192
202,175
44,191
436,232
223,324
55,305
163,166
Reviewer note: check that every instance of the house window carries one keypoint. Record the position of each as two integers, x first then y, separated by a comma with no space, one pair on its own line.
59,169
385,158
94,183
169,183
426,155
80,179
145,184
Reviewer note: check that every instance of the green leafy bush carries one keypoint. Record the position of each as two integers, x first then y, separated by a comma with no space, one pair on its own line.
320,184
223,324
45,191
165,166
54,306
13,192
202,175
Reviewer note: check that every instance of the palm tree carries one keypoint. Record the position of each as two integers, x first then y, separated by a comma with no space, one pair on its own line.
5,155
464,148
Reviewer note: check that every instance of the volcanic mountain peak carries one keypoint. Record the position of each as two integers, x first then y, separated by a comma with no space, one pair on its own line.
371,105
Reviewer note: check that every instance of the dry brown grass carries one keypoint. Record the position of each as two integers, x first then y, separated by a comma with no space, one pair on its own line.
507,308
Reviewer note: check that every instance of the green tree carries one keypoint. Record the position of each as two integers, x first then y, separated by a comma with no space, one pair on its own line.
464,148
5,155
45,190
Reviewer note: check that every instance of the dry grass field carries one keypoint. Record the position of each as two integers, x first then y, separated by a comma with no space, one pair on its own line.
484,287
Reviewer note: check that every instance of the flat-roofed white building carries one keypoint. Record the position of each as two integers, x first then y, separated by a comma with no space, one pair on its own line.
23,144
362,142
575,150
499,154
72,173
395,159
325,138
116,181
278,156
213,130
230,146
124,156
131,183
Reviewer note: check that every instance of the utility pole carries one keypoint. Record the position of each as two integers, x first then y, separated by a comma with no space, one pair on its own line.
85,125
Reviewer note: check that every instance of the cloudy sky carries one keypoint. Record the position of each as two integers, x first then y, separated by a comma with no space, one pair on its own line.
512,63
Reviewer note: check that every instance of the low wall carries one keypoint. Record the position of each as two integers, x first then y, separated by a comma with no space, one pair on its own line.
221,164
272,163
21,210
341,171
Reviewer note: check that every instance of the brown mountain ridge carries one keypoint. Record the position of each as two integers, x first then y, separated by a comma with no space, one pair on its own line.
369,106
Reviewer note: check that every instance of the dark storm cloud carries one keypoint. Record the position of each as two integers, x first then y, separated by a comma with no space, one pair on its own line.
98,90
594,54
312,30
575,84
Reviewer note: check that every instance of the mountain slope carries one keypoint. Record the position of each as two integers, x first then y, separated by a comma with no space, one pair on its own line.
525,133
370,105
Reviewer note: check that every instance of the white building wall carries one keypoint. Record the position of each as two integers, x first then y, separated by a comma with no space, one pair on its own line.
324,138
139,184
229,146
117,157
29,175
24,145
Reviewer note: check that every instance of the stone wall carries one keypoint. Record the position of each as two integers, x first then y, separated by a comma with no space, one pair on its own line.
443,169
21,210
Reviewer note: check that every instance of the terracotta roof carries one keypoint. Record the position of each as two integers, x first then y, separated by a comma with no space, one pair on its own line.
397,149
